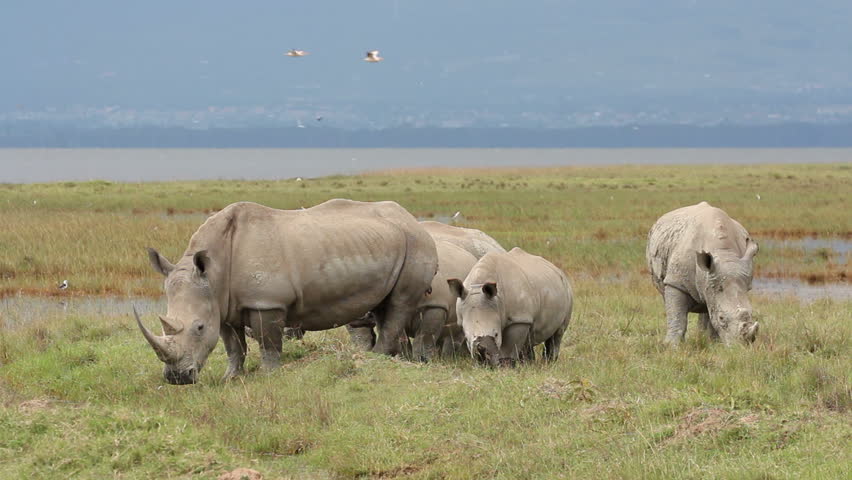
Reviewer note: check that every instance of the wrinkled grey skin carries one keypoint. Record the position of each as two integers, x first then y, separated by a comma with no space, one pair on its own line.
267,269
701,261
437,307
511,302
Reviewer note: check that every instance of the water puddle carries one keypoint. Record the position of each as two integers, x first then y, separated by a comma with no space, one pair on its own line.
20,310
801,290
837,249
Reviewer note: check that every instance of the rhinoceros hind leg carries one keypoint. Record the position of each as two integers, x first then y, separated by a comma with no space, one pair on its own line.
268,328
552,345
234,339
677,308
704,322
426,339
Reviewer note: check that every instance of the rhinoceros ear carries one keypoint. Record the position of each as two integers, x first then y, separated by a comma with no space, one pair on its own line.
159,262
751,250
704,261
201,261
457,288
489,289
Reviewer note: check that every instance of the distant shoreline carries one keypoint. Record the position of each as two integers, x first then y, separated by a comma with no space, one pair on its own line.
791,135
30,165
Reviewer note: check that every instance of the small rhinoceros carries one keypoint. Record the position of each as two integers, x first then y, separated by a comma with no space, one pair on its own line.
511,302
701,261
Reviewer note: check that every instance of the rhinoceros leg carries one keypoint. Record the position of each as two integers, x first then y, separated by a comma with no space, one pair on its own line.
552,344
516,344
707,327
677,308
361,332
431,323
234,339
268,328
391,321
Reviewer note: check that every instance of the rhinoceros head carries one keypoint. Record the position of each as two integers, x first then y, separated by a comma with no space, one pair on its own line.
478,312
726,293
191,323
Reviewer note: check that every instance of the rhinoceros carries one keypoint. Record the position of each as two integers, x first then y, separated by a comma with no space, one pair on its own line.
701,261
434,327
313,269
511,302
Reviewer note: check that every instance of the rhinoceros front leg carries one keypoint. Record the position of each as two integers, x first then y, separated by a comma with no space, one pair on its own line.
516,344
268,328
677,308
234,339
709,329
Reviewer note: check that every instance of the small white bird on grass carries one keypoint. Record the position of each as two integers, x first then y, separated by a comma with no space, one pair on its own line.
456,215
373,56
757,196
296,53
63,285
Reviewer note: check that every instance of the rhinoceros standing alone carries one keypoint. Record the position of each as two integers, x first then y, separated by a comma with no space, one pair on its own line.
701,261
313,269
511,302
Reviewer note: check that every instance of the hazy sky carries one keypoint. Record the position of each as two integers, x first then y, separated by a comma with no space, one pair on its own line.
214,52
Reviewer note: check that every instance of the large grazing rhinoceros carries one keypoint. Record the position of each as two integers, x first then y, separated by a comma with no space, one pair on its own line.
313,269
511,302
434,327
701,261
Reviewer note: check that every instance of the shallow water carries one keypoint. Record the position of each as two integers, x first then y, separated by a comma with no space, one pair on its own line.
838,248
20,310
801,290
160,164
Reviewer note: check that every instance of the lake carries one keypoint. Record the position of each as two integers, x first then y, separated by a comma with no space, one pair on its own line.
144,165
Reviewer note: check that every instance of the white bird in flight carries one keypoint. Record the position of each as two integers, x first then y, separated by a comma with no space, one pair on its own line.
373,56
296,53
63,285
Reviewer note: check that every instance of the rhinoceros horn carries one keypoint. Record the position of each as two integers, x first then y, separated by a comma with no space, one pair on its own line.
161,347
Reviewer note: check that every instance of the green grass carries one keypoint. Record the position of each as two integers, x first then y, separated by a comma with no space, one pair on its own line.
85,398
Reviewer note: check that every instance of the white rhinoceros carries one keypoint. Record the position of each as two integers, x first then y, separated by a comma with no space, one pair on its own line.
701,261
511,302
311,269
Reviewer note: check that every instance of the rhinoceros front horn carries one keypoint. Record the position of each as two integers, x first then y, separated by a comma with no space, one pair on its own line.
161,347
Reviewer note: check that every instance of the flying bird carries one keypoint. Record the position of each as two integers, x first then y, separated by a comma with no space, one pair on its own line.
296,53
63,285
373,56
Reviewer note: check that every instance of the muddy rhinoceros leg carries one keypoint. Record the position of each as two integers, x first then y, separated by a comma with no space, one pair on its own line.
677,308
234,339
268,328
707,327
432,322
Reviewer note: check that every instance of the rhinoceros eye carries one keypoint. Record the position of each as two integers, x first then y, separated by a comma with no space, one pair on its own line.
197,327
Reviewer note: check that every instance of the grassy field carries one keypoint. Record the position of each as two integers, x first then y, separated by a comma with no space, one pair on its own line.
85,398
